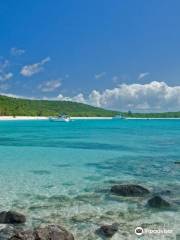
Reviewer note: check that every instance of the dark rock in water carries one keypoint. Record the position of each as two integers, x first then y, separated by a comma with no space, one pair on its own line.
165,192
40,172
24,235
158,202
177,162
129,190
50,232
62,165
108,230
11,217
6,232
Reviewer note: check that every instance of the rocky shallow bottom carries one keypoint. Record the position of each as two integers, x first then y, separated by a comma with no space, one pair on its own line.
106,213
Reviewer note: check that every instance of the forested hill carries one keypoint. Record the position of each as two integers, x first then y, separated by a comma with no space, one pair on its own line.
24,107
10,106
153,115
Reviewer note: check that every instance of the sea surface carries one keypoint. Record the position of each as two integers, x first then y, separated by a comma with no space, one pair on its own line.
56,172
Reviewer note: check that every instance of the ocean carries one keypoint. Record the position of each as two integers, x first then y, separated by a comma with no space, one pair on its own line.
57,172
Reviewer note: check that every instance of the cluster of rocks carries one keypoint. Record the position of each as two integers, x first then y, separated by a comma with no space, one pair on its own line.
132,190
12,232
50,232
56,232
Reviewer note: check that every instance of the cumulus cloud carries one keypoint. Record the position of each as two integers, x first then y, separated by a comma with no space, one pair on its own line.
4,87
100,75
29,70
78,98
154,96
6,76
17,51
151,97
50,86
143,75
3,65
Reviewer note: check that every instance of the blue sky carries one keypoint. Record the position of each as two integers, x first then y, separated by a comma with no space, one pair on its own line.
105,53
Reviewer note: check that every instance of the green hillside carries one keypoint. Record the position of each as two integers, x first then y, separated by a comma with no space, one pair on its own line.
153,115
23,107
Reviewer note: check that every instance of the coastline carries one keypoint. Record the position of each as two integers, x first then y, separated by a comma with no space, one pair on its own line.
11,118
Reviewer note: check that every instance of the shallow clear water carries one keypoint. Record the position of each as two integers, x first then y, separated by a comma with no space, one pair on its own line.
62,172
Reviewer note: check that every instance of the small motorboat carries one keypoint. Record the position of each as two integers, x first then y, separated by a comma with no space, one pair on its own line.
119,117
60,118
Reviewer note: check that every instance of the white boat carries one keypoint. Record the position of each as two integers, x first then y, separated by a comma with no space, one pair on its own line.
118,117
61,118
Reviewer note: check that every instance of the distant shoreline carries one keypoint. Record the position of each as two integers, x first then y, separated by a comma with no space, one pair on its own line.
11,118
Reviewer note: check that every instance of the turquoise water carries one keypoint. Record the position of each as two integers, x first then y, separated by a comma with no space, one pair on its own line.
62,172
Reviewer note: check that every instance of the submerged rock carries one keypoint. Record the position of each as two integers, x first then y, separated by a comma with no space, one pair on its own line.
6,232
40,172
177,162
129,190
24,235
165,192
50,232
108,230
11,217
158,202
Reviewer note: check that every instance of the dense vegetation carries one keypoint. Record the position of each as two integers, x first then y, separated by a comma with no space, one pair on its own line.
153,115
24,107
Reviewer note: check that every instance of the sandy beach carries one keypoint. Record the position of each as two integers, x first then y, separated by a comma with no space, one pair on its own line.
11,118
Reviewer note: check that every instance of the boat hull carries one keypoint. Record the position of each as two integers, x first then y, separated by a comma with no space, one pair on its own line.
60,119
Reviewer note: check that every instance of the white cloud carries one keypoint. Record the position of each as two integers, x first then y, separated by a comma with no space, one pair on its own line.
29,70
3,65
143,75
151,97
100,75
115,79
154,96
17,51
4,86
6,76
78,98
50,86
